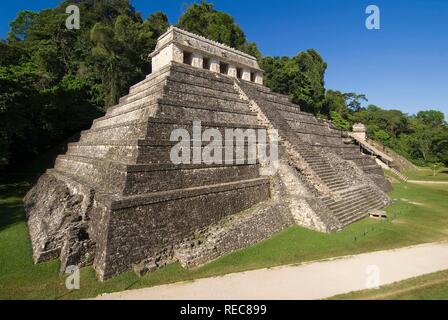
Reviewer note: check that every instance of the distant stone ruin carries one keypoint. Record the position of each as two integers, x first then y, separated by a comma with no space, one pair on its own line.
116,201
388,157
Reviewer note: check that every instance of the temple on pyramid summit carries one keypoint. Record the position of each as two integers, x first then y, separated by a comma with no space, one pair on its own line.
117,201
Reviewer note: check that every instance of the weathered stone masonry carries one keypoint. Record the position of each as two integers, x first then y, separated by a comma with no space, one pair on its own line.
116,201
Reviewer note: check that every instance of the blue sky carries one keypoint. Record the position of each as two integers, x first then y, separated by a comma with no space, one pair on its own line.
404,65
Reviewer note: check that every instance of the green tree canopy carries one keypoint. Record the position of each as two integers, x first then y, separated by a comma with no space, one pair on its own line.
203,19
301,77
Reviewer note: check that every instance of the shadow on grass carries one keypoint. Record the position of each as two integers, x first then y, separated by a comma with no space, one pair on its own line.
16,182
13,190
11,207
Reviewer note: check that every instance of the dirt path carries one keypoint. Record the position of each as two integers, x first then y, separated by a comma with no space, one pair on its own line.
316,280
427,182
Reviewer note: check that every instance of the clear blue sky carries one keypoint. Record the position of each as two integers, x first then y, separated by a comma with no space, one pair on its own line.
402,66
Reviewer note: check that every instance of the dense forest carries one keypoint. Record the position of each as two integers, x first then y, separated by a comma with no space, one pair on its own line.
55,81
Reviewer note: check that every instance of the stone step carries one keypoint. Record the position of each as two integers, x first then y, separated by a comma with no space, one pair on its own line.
156,88
359,213
257,87
363,204
336,185
350,191
207,75
145,178
315,133
353,206
207,85
361,162
298,116
246,198
353,197
189,111
324,170
313,160
339,188
279,99
193,87
161,128
179,176
305,123
121,131
326,175
145,101
322,165
354,218
126,153
151,151
180,73
202,77
201,98
136,115
103,174
273,96
331,180
150,80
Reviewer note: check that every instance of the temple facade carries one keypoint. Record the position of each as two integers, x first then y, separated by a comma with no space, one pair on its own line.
177,45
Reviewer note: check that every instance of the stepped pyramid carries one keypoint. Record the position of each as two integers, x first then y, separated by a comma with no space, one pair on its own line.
117,201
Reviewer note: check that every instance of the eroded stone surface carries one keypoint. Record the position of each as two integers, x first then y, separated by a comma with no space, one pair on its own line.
116,201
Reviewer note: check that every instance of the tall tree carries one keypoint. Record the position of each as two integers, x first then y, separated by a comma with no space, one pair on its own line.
203,19
301,77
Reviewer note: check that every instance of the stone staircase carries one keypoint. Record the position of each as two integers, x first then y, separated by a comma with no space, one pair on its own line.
314,141
397,173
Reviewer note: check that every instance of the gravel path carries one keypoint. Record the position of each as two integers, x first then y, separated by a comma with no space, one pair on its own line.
427,182
316,280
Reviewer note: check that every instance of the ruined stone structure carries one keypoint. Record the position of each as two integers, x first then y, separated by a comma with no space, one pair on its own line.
387,156
115,200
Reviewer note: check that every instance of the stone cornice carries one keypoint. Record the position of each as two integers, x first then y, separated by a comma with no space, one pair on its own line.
187,40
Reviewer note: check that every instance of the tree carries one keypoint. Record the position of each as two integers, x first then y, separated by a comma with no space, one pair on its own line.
204,20
432,118
335,102
339,121
158,23
21,25
301,77
354,100
55,81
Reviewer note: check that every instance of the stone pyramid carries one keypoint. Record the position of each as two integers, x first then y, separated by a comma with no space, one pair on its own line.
117,201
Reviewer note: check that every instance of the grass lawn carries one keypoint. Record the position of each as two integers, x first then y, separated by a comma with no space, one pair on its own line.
432,286
427,174
418,214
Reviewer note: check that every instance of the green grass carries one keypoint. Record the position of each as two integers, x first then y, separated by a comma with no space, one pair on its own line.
432,286
418,214
427,174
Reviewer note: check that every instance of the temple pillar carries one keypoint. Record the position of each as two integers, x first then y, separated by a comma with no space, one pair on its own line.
259,78
197,60
214,65
246,74
232,71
